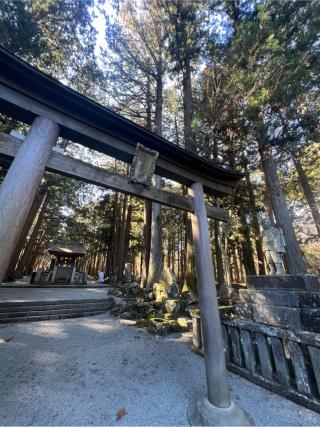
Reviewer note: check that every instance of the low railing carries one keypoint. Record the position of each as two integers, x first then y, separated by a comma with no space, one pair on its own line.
283,361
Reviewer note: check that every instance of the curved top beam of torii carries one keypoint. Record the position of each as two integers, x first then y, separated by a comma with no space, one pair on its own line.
26,92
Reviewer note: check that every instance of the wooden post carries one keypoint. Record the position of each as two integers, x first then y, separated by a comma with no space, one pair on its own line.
216,371
217,409
73,275
54,271
74,270
21,184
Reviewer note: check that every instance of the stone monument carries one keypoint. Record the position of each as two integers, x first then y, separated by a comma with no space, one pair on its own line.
170,280
159,291
273,245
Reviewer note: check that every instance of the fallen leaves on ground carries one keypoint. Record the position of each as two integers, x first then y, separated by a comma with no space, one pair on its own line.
121,413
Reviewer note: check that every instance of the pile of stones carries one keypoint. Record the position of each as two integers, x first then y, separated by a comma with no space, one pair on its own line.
161,309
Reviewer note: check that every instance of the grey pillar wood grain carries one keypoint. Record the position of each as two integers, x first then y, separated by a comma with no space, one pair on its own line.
21,184
216,371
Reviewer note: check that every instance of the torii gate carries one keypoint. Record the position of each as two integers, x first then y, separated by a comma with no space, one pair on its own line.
54,110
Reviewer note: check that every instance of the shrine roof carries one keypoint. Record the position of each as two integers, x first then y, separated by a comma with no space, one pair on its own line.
114,134
67,248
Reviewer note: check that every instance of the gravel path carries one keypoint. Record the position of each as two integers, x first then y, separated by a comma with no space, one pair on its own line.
82,371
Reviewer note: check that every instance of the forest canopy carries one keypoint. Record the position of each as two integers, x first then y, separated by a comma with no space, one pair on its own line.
235,82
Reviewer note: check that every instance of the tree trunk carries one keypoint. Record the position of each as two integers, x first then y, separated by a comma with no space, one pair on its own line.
30,247
239,266
119,237
224,247
248,256
127,234
268,204
187,108
146,244
218,251
158,104
180,252
156,256
111,242
148,106
34,254
172,253
121,234
307,191
177,139
190,280
38,200
294,259
114,248
255,223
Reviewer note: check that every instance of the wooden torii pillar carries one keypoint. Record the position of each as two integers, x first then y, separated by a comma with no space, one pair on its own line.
217,408
21,184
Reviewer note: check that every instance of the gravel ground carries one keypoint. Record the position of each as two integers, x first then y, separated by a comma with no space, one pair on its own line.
82,371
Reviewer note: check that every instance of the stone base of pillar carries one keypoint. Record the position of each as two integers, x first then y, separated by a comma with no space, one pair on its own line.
203,413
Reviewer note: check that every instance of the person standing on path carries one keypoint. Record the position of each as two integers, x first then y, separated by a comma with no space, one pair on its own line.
101,276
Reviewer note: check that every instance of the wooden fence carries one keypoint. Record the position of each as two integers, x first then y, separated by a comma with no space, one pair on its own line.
283,361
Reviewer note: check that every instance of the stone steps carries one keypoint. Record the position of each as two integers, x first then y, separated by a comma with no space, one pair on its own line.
31,311
50,317
81,301
52,306
45,286
39,312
